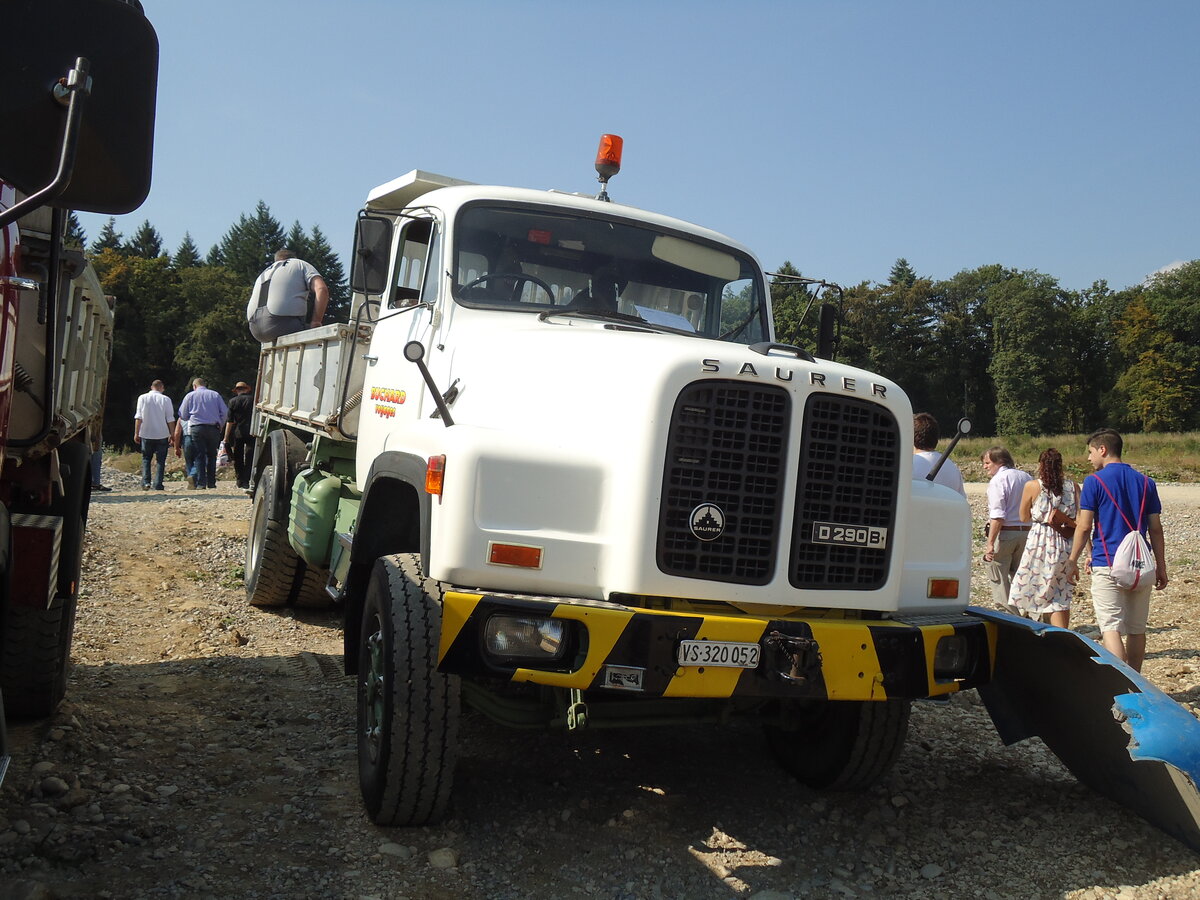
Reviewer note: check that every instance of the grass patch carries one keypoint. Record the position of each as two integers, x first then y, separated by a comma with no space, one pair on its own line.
1164,457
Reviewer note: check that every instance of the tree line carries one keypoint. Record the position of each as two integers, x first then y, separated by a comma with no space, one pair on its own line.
1016,352
180,315
1011,349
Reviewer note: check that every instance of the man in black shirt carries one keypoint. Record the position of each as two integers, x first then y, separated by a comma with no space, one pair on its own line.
239,442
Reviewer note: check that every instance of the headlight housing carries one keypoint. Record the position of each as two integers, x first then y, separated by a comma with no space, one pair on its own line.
509,637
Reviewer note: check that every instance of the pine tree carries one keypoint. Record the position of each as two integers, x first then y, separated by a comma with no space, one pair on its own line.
109,238
321,255
75,236
297,241
902,274
146,242
188,254
249,246
214,257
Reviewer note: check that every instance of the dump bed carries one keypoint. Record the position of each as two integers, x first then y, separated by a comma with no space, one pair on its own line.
60,378
313,379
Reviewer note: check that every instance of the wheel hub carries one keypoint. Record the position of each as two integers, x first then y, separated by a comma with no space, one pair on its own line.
373,694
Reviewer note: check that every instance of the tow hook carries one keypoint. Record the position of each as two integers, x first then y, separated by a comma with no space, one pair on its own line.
796,659
576,711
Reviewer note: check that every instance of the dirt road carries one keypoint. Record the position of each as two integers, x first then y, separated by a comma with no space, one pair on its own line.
206,749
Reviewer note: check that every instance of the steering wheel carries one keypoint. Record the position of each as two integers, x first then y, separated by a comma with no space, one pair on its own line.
515,277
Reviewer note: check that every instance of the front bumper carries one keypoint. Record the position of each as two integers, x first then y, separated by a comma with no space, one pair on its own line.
634,650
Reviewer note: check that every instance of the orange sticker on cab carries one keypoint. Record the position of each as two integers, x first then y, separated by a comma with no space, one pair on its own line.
385,398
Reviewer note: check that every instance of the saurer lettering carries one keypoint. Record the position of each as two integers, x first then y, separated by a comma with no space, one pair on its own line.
817,379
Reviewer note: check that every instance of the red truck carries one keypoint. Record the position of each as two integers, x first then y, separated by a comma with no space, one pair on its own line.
77,98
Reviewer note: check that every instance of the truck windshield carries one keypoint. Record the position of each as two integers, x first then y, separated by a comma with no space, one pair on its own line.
527,259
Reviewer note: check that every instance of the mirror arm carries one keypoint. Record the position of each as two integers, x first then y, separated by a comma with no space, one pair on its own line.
78,86
964,427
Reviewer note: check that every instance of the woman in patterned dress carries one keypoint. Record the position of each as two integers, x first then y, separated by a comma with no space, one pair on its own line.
1040,587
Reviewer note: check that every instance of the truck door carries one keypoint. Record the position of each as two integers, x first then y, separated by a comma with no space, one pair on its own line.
394,394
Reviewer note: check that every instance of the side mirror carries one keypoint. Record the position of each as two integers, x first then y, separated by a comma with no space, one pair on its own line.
372,244
112,141
826,331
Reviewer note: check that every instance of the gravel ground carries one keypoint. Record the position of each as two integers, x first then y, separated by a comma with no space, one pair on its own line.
206,750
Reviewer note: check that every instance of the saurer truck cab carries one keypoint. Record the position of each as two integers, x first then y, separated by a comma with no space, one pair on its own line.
77,84
557,468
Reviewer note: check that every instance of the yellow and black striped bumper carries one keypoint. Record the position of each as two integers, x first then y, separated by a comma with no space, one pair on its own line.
626,648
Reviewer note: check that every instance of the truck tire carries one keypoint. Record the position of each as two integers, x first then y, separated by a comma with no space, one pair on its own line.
275,575
35,655
271,564
841,745
311,593
407,710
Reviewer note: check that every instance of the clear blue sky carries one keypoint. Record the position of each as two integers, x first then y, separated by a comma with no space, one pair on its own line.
1061,137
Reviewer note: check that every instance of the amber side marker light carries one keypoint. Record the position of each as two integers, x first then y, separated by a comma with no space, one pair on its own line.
435,475
521,555
942,588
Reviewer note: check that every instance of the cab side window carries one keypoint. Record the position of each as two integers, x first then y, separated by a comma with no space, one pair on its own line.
412,282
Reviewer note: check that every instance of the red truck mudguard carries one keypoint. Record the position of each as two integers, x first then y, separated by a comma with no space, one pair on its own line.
1115,731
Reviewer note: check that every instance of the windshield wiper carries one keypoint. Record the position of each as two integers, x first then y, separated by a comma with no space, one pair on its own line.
736,330
619,318
598,315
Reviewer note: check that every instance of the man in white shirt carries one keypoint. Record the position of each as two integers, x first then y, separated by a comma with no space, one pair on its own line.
925,455
1007,533
152,429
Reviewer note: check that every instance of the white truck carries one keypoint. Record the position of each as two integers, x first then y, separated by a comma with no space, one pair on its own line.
556,468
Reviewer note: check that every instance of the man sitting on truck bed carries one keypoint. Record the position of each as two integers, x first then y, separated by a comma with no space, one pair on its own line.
288,296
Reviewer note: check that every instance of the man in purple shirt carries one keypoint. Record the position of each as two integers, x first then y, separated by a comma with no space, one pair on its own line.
1115,498
204,411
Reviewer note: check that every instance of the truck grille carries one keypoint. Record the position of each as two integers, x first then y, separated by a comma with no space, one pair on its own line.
849,464
727,447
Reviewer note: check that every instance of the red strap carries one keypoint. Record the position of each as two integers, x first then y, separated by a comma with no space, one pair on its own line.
1145,491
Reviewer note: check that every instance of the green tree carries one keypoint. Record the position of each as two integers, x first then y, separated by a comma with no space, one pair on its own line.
188,254
889,331
793,309
109,238
1032,357
249,246
959,380
214,341
327,262
1159,335
1092,400
75,236
148,323
297,241
902,273
146,242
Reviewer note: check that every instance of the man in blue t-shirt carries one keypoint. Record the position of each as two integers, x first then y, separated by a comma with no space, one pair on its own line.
1117,494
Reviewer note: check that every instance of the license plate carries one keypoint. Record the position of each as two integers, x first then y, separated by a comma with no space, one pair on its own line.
850,535
727,654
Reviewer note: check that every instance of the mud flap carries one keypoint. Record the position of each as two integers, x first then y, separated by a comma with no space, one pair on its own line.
1115,731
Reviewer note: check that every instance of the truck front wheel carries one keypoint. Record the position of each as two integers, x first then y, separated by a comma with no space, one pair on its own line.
841,745
407,710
